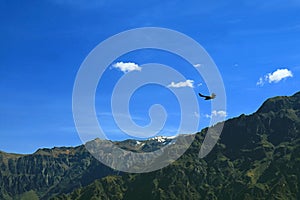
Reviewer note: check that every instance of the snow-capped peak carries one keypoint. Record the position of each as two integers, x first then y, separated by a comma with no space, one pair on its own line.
162,138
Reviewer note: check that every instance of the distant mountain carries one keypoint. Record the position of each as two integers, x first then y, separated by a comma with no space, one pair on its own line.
49,172
150,145
257,157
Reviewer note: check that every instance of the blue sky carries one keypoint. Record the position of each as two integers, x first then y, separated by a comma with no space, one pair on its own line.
255,45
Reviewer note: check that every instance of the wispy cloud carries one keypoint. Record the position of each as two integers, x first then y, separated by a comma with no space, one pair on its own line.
187,83
260,82
127,66
197,65
275,76
215,113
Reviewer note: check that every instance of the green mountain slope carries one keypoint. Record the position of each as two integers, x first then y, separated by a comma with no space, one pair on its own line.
257,157
48,172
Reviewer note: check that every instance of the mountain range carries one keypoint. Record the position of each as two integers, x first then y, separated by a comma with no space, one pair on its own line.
256,157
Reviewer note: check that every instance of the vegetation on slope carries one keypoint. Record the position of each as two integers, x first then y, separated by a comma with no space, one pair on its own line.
257,157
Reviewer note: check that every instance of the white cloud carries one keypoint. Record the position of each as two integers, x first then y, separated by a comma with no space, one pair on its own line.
275,77
127,67
187,83
197,65
260,82
215,113
278,75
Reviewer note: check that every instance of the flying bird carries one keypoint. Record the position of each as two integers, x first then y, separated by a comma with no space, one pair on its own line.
212,96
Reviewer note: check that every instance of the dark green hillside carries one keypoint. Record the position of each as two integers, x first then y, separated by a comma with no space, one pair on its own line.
48,172
257,157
